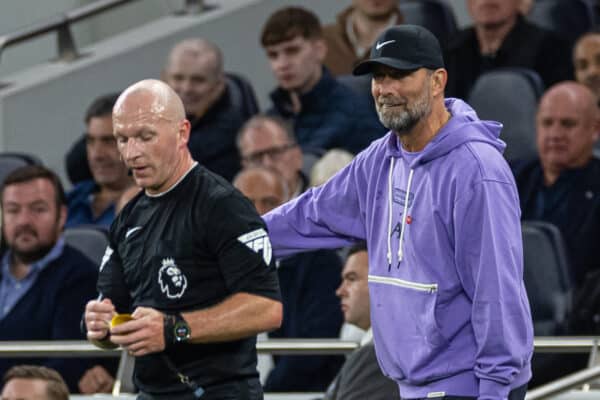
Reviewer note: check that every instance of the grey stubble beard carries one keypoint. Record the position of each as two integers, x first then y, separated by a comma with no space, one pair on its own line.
404,121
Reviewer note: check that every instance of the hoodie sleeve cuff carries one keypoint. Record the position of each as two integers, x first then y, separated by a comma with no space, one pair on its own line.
492,390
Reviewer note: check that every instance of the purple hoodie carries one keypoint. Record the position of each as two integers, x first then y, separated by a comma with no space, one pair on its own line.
449,311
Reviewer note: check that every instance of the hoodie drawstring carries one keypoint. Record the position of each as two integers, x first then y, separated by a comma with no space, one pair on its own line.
390,204
404,216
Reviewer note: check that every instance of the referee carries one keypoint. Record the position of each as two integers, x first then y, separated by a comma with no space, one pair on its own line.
188,257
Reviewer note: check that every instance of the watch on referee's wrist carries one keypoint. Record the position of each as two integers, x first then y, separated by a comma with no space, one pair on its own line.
176,329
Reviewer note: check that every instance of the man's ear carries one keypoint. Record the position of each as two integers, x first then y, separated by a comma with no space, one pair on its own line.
439,78
184,132
320,48
62,217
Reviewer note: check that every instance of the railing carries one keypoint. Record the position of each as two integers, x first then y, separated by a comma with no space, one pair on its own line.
81,348
326,346
61,24
564,384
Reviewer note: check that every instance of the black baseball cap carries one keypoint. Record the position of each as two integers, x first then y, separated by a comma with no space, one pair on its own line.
404,47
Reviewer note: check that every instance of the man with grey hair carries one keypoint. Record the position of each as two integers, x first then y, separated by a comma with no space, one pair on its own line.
268,141
194,70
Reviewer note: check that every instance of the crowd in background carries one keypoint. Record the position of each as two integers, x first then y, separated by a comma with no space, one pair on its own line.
318,120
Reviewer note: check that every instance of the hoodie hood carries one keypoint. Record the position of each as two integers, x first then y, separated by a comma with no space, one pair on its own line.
463,126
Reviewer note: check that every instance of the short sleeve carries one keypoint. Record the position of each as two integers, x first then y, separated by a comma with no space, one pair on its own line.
111,281
239,239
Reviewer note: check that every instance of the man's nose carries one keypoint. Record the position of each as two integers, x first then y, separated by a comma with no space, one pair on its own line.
130,150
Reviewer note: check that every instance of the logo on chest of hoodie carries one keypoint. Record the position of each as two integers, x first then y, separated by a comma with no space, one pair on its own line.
399,197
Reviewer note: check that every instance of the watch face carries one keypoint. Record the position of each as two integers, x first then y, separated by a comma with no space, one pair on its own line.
182,331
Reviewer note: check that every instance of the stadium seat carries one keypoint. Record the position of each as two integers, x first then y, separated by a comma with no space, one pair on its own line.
91,240
360,84
569,18
510,96
11,161
547,277
242,94
435,15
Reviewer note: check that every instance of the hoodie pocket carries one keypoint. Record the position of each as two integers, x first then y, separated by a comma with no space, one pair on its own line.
408,340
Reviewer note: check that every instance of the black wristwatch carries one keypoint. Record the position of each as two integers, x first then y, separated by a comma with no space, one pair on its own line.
176,329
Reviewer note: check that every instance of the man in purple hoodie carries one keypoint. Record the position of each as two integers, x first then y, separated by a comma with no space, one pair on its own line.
438,207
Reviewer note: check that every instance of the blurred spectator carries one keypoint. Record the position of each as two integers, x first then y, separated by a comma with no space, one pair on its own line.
329,165
525,6
263,186
307,282
269,142
92,202
586,60
324,113
563,186
32,382
360,377
44,283
194,70
501,37
350,38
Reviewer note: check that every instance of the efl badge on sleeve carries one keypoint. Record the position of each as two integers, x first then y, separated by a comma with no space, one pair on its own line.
257,241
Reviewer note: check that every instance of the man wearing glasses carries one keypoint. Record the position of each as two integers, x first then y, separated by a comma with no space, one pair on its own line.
268,142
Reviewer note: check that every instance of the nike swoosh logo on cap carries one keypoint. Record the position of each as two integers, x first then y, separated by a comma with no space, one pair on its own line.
380,45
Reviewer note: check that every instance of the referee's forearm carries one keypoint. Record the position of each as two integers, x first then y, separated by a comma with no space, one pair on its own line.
239,316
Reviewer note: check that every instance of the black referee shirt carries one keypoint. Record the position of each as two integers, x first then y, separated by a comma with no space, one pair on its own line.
187,249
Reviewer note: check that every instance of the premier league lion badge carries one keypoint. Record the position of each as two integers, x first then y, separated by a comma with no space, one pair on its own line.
171,280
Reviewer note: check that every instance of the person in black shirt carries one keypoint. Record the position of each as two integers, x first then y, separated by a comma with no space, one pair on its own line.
502,37
188,257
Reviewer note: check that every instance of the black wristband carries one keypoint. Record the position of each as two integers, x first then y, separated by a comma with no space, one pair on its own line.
175,329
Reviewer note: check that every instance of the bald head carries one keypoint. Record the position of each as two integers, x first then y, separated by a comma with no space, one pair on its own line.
567,128
572,93
265,187
152,134
149,98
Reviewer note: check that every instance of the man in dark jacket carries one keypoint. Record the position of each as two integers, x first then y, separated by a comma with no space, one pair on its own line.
194,70
501,37
44,283
324,113
563,187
